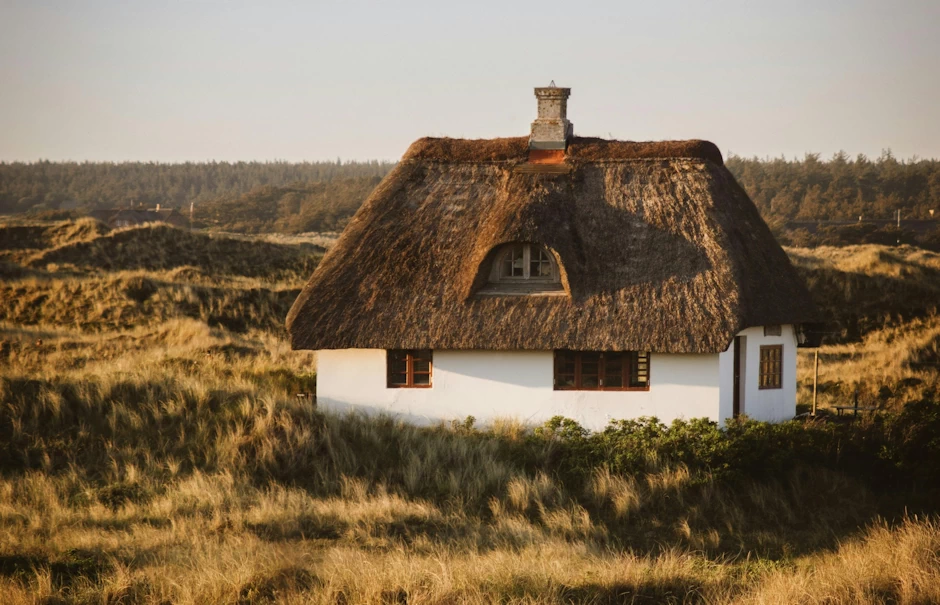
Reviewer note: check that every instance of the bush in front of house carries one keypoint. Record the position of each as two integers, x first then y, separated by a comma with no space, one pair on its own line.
899,450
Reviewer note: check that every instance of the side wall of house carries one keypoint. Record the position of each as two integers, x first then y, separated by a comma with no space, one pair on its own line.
517,384
772,405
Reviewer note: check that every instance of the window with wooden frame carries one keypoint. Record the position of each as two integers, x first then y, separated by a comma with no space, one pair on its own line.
408,368
602,371
771,367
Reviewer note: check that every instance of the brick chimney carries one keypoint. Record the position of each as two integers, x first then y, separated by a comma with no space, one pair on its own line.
551,129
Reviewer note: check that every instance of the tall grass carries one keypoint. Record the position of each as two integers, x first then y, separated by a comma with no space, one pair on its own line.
153,449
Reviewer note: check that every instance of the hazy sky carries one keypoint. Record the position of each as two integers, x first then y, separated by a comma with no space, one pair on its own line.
198,80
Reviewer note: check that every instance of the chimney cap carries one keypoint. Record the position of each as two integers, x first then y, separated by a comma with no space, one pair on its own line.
552,92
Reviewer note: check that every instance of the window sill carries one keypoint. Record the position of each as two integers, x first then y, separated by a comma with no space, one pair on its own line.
602,389
523,288
405,386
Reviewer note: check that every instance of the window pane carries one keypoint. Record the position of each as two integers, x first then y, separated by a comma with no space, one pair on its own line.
590,370
422,379
397,367
513,262
613,370
421,360
397,362
640,370
506,269
539,265
564,369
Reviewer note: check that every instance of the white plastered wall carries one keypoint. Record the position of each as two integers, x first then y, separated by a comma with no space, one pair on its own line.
516,384
772,405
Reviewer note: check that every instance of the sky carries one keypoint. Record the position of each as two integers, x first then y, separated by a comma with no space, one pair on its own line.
197,80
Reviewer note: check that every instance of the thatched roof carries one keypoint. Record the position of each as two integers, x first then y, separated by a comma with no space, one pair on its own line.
659,248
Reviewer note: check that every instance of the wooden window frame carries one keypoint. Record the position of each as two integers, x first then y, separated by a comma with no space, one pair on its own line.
770,368
526,264
631,363
410,355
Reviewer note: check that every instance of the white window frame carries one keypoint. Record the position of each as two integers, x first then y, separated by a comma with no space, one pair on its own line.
526,264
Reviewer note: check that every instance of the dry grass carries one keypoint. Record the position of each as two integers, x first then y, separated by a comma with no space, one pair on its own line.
883,330
209,538
153,454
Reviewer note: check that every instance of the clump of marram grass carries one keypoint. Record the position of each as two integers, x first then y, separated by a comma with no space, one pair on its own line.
886,565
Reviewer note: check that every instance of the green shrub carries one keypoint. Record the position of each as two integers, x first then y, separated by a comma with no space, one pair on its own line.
890,450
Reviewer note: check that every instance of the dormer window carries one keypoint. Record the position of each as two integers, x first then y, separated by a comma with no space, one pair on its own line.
523,269
525,261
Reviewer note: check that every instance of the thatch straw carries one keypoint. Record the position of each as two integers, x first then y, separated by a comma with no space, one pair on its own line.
664,255
579,149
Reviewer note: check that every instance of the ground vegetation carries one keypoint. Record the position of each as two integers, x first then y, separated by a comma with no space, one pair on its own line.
153,449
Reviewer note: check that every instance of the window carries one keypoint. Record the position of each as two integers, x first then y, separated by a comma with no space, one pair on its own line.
771,367
596,371
409,368
525,261
521,269
773,330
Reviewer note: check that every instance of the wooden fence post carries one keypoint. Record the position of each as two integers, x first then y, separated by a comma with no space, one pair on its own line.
815,377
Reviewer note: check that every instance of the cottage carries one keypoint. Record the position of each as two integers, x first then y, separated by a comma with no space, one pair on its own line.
556,275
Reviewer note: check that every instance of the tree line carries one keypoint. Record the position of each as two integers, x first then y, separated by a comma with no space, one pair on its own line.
317,196
46,186
807,201
296,208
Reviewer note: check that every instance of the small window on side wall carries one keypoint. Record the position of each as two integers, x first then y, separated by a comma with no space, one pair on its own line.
771,367
408,368
773,330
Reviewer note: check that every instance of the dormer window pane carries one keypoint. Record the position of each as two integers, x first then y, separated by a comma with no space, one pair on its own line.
514,262
539,264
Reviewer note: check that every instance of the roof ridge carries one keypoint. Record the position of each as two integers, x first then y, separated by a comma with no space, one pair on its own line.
588,149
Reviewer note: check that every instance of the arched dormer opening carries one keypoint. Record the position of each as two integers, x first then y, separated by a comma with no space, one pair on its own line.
522,269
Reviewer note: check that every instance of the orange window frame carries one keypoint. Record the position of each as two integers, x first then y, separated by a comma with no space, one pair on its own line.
633,364
413,360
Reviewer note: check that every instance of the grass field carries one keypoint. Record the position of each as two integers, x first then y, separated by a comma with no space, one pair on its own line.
152,450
